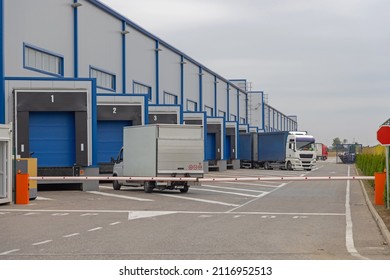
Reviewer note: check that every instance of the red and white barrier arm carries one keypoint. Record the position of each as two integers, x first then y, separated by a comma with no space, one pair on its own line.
110,178
193,179
305,178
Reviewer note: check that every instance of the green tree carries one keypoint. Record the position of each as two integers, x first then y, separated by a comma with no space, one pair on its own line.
336,141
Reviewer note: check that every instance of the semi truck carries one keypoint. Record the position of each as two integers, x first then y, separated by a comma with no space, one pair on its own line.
283,149
322,151
163,150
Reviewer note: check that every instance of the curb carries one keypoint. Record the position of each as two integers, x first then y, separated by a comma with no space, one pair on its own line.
382,227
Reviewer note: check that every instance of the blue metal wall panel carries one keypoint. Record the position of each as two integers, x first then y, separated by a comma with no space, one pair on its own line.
52,138
109,139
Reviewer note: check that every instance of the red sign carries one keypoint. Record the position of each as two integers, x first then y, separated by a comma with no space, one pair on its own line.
383,135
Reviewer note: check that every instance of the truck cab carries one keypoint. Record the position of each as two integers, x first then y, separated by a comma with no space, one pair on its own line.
300,151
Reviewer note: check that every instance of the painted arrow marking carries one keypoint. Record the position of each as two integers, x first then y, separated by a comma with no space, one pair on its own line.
133,215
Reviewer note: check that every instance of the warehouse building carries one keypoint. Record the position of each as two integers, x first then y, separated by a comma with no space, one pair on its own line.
75,72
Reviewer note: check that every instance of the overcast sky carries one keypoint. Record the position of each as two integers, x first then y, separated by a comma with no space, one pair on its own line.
326,61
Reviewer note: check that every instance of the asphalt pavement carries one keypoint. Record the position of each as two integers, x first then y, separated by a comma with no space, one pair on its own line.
278,220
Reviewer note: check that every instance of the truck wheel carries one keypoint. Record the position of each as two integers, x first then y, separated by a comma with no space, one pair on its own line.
148,186
116,186
184,189
289,165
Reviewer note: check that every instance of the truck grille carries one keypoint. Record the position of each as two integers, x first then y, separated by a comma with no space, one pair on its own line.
306,156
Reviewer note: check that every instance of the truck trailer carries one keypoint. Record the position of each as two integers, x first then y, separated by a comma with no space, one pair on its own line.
286,150
322,151
282,149
164,150
248,150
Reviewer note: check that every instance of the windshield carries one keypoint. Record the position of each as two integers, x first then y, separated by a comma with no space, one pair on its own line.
305,143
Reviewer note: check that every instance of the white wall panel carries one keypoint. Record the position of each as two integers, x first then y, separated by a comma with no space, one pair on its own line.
221,96
100,42
170,73
266,118
233,103
191,82
140,61
45,24
255,110
242,106
208,89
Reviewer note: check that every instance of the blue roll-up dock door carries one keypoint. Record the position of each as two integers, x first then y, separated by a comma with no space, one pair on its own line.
228,147
110,139
211,146
52,138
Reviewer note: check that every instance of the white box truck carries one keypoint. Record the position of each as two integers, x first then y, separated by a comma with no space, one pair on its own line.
162,150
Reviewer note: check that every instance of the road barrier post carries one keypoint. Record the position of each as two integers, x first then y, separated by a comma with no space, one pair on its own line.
379,189
22,189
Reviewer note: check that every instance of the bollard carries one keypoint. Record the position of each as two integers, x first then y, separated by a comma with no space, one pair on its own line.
22,189
380,182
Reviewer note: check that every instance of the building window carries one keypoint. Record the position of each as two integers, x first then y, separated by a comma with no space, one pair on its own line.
170,98
43,61
192,106
139,88
104,79
209,111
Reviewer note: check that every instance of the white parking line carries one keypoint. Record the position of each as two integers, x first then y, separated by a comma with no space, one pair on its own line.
230,188
251,184
43,198
216,191
120,196
42,242
95,229
71,235
199,200
89,214
30,214
9,252
349,242
115,223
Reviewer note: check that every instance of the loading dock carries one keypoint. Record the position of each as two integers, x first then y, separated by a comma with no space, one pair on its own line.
112,117
231,144
54,126
215,143
5,164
